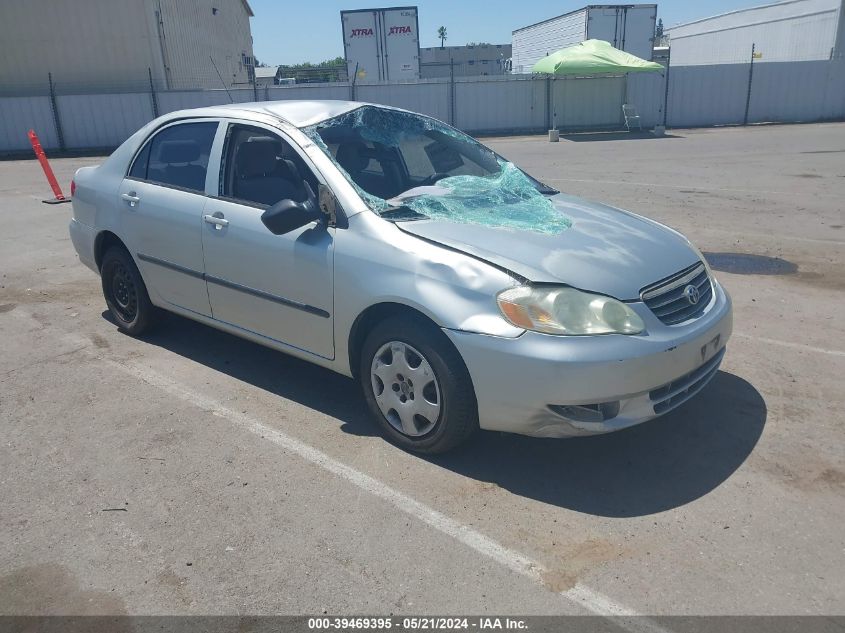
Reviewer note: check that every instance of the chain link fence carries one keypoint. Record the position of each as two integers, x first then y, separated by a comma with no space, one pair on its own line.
70,115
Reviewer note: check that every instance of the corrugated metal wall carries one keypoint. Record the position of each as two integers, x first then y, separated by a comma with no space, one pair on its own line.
796,30
588,103
532,43
429,97
500,103
108,45
698,96
197,31
707,95
18,115
102,120
91,42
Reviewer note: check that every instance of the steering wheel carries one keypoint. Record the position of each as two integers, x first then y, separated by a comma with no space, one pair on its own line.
434,178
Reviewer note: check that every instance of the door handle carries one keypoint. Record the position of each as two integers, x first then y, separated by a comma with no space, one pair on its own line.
131,198
217,220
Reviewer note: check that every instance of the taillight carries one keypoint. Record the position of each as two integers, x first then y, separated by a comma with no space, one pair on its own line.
72,187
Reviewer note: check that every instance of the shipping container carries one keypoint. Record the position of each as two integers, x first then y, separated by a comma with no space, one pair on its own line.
627,27
381,44
795,30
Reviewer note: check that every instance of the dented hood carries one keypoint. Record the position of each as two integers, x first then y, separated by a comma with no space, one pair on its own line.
605,250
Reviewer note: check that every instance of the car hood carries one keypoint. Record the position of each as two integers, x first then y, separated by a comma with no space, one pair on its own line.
606,250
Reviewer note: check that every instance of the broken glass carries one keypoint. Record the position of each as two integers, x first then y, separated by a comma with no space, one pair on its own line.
407,166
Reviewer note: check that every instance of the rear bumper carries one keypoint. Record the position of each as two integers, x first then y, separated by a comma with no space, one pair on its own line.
517,380
83,238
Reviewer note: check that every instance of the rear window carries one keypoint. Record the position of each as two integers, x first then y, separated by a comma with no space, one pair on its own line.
177,156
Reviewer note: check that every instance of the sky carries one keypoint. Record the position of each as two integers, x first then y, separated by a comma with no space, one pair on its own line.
288,32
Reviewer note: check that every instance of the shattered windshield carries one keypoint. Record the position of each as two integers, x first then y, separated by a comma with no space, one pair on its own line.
409,167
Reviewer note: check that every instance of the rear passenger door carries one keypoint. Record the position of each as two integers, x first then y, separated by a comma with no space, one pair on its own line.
162,200
278,286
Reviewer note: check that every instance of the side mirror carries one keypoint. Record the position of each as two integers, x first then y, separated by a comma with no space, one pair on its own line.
287,215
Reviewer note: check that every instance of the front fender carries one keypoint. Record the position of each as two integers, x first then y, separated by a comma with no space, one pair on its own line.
376,263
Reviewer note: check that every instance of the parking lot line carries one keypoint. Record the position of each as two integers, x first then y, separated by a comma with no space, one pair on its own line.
798,346
592,601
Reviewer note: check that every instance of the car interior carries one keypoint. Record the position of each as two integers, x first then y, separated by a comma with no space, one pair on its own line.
264,170
374,167
175,163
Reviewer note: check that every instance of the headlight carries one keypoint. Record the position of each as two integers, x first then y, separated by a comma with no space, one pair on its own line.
561,310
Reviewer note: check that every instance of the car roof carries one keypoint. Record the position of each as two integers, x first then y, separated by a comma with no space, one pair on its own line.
298,113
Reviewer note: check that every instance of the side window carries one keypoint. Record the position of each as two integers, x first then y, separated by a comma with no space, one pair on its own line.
139,167
261,168
178,156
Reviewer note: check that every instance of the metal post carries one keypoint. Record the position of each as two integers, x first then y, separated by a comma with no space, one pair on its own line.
57,121
750,81
153,93
452,91
254,86
624,99
548,103
352,83
666,88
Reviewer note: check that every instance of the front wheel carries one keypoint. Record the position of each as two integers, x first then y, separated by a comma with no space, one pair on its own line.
417,386
125,293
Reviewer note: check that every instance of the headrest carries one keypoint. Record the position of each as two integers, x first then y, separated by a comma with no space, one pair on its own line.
186,151
256,157
351,157
287,170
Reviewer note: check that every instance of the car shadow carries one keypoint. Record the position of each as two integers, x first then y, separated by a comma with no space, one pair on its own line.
649,468
653,467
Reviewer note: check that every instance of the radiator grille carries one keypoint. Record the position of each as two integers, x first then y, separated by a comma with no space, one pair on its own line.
670,300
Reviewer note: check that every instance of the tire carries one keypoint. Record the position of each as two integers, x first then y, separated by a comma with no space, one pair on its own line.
125,293
410,372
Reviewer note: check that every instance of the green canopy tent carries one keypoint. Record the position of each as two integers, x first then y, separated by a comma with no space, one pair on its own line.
592,57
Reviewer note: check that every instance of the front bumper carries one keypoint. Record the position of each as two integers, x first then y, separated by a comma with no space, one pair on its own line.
516,380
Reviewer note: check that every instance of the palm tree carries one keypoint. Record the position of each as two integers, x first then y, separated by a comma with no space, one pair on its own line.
441,33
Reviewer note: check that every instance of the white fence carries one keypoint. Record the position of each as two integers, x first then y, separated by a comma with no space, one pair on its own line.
698,96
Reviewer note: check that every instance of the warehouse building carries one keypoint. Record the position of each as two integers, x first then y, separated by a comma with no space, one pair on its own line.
465,61
93,45
794,30
266,76
628,27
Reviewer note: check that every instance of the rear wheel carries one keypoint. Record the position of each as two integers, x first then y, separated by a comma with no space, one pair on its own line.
417,386
125,293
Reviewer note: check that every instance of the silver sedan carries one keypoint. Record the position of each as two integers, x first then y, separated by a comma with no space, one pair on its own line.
390,247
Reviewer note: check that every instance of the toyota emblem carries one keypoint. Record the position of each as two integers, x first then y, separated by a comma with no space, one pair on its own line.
691,293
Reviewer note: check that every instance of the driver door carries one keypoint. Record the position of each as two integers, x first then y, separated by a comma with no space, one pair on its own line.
278,286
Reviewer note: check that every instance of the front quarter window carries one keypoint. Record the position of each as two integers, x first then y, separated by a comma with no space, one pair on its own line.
407,166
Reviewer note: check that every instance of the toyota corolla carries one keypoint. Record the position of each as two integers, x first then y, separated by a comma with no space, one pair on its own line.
390,247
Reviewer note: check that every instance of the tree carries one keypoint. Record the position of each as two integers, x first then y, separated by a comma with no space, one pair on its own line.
659,32
306,72
441,33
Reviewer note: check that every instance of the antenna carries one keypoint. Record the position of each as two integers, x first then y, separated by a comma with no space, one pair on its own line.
221,79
